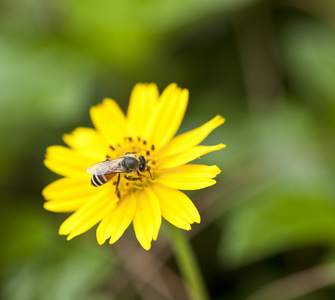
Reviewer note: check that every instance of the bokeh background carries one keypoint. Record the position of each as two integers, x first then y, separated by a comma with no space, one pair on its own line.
268,225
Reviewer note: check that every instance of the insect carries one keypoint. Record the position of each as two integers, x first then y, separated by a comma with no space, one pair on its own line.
105,171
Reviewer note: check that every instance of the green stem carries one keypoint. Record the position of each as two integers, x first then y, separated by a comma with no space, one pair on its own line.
188,265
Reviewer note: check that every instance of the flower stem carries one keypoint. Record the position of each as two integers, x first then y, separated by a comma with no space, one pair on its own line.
188,265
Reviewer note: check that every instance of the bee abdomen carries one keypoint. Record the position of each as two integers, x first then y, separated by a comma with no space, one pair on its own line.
98,180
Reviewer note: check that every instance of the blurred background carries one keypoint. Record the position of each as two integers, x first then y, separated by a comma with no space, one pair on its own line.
268,225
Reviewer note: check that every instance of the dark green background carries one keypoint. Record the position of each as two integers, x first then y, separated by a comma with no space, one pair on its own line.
267,66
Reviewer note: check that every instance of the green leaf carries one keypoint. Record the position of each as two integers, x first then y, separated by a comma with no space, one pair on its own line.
284,195
22,230
127,33
42,86
37,263
278,220
57,271
309,61
42,83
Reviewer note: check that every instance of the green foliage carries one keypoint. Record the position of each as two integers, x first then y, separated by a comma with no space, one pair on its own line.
276,192
48,81
308,52
42,86
37,264
280,219
57,271
23,234
285,197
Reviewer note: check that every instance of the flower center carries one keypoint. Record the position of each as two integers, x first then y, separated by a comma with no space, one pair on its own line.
138,177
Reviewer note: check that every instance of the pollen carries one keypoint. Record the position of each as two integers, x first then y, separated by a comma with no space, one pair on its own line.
131,182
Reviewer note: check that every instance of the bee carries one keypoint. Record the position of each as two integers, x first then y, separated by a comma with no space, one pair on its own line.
105,171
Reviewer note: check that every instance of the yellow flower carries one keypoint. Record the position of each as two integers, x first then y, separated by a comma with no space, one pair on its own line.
148,129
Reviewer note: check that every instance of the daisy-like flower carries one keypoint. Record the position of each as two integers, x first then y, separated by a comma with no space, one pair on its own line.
148,130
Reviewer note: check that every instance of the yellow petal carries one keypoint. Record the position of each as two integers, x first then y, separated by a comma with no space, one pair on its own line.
143,101
68,188
67,162
87,141
65,206
114,225
176,207
147,219
167,117
189,177
110,121
67,194
156,212
191,138
185,157
90,214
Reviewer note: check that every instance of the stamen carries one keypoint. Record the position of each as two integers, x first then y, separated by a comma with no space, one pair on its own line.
130,139
153,162
107,156
119,145
153,147
148,153
138,138
110,146
144,142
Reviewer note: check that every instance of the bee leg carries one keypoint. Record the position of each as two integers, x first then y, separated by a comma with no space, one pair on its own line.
148,169
117,192
140,176
118,181
132,178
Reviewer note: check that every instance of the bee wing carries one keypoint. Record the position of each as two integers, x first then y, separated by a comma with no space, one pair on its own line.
92,169
107,167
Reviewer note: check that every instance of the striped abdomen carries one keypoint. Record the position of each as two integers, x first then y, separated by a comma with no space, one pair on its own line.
98,180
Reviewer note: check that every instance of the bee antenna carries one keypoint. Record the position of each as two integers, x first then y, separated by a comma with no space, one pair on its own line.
131,152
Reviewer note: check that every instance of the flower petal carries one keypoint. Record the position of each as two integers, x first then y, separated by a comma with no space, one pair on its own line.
114,225
90,214
167,117
185,157
67,188
110,121
191,138
143,101
67,194
87,141
67,162
176,207
65,206
189,177
147,219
